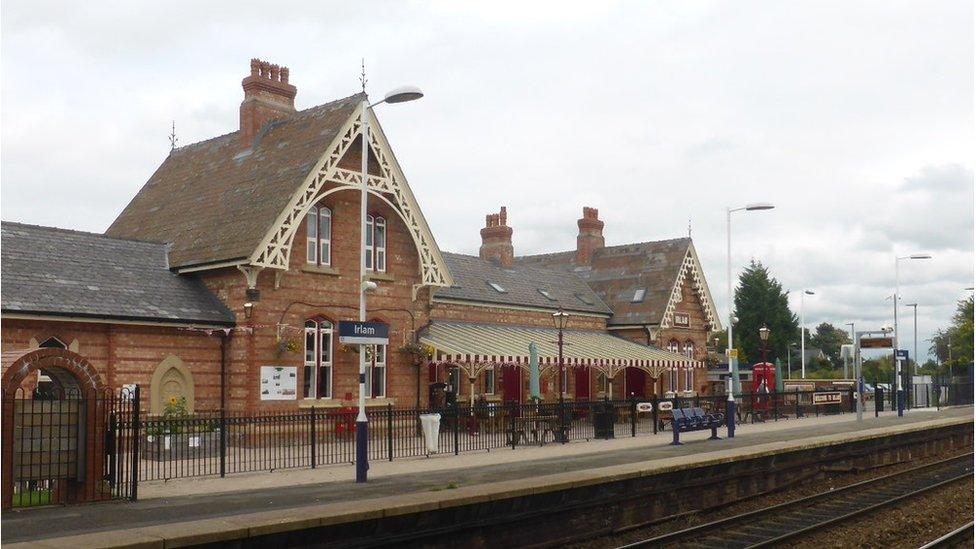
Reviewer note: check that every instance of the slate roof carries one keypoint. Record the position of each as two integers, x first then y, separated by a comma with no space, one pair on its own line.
213,203
617,272
70,273
472,276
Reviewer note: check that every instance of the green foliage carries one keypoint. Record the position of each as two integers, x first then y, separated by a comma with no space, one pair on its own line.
956,340
828,338
760,299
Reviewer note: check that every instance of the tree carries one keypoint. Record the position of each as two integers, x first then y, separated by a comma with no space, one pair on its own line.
760,299
828,338
956,341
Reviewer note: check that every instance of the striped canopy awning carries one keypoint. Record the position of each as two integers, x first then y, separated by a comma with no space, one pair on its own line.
493,344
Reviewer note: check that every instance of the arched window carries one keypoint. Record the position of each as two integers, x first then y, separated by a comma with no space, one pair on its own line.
673,379
376,364
318,231
690,349
673,346
318,359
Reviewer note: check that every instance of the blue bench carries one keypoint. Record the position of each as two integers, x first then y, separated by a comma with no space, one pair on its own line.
694,419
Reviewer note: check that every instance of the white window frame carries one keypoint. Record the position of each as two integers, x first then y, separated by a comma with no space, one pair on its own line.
372,365
320,331
318,248
673,379
368,256
379,230
674,346
490,381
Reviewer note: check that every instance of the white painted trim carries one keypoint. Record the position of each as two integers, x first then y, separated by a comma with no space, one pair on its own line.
210,267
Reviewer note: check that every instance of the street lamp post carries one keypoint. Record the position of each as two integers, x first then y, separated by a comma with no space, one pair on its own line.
900,391
559,319
733,366
789,365
913,366
803,337
398,95
851,324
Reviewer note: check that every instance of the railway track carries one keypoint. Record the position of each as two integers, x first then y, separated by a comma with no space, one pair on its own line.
960,537
780,523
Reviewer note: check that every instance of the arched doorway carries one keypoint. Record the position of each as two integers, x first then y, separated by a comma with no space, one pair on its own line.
59,448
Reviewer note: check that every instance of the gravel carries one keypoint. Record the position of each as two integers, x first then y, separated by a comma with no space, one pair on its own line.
864,534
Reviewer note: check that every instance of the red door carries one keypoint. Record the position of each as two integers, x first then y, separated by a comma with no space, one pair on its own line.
634,383
582,383
512,384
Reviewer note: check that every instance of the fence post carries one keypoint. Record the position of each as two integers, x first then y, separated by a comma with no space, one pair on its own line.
654,416
389,430
511,417
457,421
223,442
775,406
135,445
878,400
850,395
797,403
312,435
633,416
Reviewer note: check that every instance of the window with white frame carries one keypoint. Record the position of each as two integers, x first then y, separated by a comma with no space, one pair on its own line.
673,380
673,346
376,376
690,353
368,257
317,379
490,381
318,233
379,244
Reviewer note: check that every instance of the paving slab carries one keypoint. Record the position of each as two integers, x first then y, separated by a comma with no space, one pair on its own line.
420,483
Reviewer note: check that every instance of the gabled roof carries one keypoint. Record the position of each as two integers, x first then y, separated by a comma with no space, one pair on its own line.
214,203
473,277
49,271
616,273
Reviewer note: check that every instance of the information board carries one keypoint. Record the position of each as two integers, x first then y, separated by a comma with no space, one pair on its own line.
279,383
826,398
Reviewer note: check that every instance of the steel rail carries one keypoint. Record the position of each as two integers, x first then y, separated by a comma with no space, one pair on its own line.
947,540
745,524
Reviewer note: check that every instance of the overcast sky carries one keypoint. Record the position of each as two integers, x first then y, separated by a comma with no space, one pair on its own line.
854,118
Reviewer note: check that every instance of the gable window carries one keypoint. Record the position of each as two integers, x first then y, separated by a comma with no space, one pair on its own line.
317,381
376,371
375,257
681,320
318,235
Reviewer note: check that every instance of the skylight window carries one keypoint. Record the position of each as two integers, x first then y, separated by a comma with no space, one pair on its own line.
639,295
497,288
584,298
546,294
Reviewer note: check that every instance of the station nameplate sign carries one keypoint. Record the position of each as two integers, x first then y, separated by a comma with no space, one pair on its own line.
665,406
363,333
876,343
826,398
644,407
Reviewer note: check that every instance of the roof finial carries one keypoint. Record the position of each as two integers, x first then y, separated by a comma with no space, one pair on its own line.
362,75
689,227
172,137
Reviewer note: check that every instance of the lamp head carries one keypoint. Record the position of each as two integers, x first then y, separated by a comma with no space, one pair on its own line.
759,206
559,319
808,292
403,94
248,307
920,256
764,333
369,286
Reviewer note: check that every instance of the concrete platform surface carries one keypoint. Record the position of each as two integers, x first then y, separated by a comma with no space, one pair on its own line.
194,511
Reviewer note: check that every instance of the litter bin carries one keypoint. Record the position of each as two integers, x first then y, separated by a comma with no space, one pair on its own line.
604,415
430,424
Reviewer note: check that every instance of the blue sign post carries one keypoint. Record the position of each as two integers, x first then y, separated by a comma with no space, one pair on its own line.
362,333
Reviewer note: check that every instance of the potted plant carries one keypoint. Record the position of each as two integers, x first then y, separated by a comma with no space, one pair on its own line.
176,434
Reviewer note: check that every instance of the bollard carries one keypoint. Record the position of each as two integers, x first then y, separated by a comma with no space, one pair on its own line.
775,406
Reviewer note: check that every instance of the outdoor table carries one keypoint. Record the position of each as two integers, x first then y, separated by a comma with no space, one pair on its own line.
533,424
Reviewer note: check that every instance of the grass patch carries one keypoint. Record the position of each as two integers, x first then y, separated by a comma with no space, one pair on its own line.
449,486
32,499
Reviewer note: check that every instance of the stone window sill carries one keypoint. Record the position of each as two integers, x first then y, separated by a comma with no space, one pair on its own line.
386,277
320,269
339,403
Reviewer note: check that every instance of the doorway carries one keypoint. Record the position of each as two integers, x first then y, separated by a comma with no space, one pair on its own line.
512,384
581,383
634,383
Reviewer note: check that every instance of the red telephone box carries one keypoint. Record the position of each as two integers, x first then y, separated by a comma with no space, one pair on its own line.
763,381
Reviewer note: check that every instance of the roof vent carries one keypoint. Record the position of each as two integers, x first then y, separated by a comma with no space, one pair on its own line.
639,294
546,294
497,288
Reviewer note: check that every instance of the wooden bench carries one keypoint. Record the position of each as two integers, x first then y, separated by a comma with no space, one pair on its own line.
694,419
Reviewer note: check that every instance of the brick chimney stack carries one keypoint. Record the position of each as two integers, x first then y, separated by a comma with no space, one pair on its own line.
496,239
267,96
590,238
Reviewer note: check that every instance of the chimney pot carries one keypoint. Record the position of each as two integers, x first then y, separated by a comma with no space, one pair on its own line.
590,238
496,239
267,96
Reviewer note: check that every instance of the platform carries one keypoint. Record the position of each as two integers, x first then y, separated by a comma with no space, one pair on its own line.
195,511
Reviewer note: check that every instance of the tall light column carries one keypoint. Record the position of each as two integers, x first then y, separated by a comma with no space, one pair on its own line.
914,368
733,366
803,337
900,394
399,95
851,324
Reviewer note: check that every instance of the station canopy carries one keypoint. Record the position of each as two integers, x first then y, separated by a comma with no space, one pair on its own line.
477,346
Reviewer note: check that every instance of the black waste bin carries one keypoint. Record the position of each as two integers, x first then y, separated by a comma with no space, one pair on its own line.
604,416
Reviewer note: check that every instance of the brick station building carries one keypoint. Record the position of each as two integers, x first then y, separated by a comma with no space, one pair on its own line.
224,279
